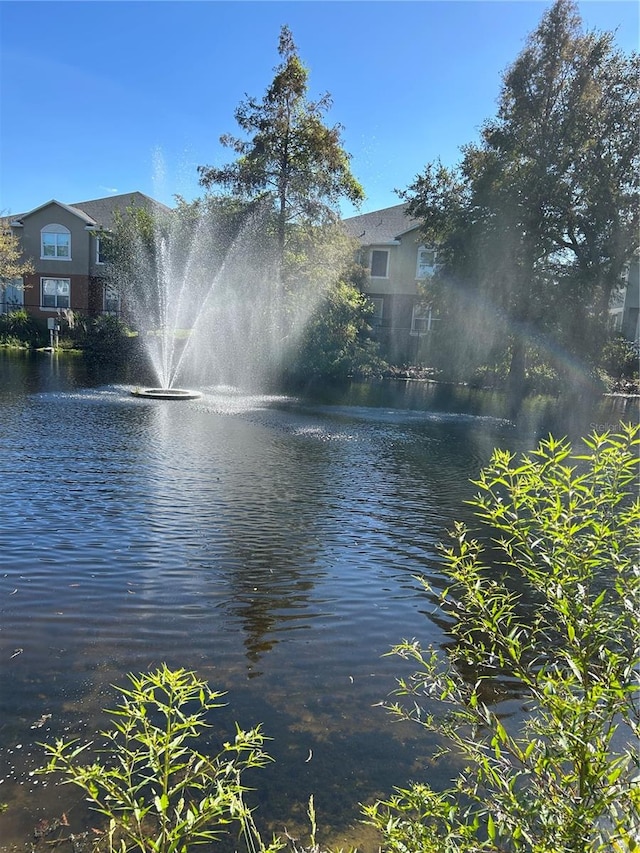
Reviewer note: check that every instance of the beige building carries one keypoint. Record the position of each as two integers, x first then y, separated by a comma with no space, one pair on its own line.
625,306
63,243
398,261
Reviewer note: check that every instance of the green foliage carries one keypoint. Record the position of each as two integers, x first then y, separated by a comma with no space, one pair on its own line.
159,793
315,257
561,624
621,358
104,340
536,225
290,156
216,220
326,316
18,328
336,343
13,265
130,249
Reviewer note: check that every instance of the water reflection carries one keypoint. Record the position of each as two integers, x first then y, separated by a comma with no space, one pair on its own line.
575,414
269,543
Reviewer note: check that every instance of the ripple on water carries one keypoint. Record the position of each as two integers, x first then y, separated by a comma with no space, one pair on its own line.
270,544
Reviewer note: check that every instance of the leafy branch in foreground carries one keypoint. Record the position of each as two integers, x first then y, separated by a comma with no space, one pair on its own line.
561,623
159,793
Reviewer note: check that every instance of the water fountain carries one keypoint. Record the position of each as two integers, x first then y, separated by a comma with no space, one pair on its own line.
201,289
167,393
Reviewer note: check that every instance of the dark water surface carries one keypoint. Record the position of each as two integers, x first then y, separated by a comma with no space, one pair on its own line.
271,543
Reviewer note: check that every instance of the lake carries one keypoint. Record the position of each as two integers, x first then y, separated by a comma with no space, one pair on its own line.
269,542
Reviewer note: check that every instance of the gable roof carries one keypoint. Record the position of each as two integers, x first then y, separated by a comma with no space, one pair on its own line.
381,226
99,212
69,208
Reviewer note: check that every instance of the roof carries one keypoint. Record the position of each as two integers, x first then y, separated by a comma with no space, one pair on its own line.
100,211
381,226
20,216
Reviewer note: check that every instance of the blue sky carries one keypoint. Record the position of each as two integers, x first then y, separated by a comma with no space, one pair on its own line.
111,97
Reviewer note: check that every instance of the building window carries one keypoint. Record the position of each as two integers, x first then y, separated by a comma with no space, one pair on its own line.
426,262
378,310
12,296
380,263
56,243
615,319
111,300
101,251
421,320
56,292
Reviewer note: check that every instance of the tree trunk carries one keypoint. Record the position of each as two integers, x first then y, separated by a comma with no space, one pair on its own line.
516,389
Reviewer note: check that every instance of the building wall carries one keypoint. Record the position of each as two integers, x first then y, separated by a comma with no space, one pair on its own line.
81,241
625,306
631,309
393,331
400,293
77,268
84,222
407,262
80,289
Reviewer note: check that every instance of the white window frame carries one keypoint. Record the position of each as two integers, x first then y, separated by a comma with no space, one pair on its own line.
615,318
56,231
424,270
99,260
57,306
382,252
421,313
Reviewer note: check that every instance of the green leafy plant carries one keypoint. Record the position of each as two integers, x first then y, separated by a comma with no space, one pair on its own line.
105,340
18,329
621,358
551,605
159,793
336,342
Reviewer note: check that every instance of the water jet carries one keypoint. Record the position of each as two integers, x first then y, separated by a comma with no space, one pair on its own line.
201,291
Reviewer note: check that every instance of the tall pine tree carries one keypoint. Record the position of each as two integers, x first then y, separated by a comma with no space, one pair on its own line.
288,154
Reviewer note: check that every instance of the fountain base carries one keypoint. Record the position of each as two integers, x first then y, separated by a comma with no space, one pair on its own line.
166,393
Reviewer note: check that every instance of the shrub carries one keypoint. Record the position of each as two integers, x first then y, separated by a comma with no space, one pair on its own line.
621,358
105,340
157,790
18,328
336,343
562,624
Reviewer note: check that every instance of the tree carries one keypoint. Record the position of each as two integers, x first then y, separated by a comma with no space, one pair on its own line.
336,342
549,605
291,157
13,265
541,218
194,240
130,252
294,167
567,125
